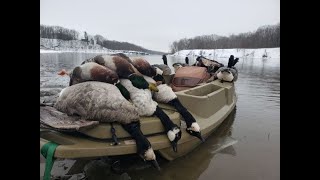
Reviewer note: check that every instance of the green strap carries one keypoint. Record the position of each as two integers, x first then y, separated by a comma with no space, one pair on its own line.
47,151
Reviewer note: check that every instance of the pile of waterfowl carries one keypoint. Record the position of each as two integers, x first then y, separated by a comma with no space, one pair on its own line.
115,88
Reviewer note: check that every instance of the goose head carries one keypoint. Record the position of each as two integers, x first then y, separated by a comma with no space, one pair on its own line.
226,75
158,77
176,66
194,130
174,136
144,149
149,156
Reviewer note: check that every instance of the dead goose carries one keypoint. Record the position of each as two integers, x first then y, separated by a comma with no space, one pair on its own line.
146,106
104,102
166,95
229,73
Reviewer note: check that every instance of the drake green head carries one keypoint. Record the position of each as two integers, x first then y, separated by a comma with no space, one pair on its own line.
139,82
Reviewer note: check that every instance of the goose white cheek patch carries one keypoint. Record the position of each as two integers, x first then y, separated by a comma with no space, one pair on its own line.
159,71
149,154
195,127
171,135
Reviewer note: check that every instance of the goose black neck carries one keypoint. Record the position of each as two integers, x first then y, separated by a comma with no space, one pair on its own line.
134,130
189,119
164,118
164,58
230,62
235,62
159,77
125,93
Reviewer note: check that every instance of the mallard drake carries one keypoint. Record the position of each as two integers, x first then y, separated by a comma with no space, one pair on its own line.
92,71
123,68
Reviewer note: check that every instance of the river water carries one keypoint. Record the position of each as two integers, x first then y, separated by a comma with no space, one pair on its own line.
254,125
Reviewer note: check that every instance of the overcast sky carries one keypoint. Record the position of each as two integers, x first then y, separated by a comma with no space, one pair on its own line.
156,24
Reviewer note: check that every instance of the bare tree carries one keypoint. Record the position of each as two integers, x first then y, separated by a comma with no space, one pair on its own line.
263,37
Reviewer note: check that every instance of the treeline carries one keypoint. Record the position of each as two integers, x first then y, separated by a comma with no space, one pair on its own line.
263,37
57,32
116,45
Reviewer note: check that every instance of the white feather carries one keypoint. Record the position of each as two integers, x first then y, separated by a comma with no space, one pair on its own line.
165,94
225,76
159,71
108,62
86,69
141,98
149,79
61,92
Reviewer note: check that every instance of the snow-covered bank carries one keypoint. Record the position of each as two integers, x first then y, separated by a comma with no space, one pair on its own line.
78,51
225,53
60,46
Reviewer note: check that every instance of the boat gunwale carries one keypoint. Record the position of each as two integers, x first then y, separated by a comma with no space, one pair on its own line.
158,141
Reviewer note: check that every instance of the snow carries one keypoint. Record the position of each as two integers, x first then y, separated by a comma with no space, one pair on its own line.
61,46
79,51
225,53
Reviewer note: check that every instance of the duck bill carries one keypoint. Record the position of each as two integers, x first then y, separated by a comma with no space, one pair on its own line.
153,87
174,146
155,164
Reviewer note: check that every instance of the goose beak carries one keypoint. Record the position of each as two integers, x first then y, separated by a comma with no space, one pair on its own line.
174,146
155,164
153,87
198,135
202,139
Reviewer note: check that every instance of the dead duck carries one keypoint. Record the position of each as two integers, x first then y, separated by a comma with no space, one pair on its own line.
104,102
92,71
123,68
229,73
166,95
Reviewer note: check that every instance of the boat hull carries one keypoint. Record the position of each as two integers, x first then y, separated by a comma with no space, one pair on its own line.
215,102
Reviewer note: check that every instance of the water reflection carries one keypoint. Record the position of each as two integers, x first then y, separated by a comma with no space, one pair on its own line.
255,123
